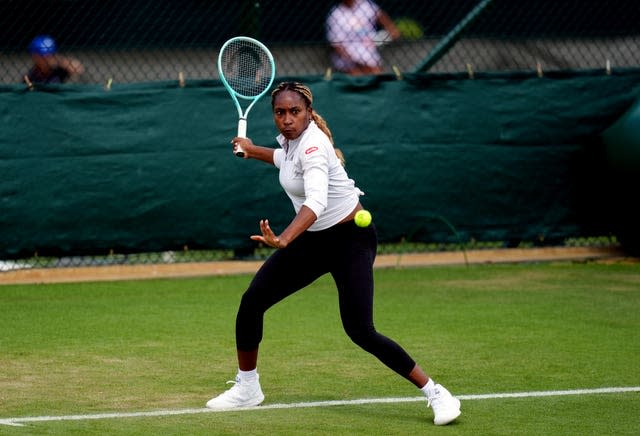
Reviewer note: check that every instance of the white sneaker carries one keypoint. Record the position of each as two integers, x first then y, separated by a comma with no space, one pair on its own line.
240,395
445,406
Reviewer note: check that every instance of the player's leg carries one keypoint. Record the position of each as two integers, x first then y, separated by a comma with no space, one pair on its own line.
283,273
353,273
352,270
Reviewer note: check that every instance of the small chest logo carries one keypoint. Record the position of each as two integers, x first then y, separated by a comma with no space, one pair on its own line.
311,150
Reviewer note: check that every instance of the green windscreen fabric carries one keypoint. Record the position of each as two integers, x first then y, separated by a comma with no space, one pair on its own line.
146,167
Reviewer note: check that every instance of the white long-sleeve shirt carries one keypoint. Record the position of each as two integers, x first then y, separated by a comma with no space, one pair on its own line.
312,175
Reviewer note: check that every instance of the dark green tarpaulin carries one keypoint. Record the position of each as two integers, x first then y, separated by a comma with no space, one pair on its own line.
147,167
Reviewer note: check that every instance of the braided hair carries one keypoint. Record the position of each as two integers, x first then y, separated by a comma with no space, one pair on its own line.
306,94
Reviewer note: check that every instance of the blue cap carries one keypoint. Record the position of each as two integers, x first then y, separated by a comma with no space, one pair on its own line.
42,45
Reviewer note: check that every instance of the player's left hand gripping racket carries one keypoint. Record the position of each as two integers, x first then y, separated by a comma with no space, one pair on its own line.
247,70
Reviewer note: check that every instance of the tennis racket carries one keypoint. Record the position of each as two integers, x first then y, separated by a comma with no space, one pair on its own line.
247,70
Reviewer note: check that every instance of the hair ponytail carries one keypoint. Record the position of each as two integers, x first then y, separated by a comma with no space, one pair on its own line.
322,125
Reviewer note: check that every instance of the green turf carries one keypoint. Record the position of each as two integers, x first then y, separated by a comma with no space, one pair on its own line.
129,346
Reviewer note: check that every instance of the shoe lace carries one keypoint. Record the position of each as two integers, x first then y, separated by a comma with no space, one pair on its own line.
233,390
435,399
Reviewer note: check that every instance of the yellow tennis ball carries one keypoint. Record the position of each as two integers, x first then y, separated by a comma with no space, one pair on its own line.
362,218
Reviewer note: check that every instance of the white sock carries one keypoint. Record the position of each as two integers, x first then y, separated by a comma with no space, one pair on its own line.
428,388
248,376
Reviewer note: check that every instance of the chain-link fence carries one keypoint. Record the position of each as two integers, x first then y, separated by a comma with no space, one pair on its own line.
144,40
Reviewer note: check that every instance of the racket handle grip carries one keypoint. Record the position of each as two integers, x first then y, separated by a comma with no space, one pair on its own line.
242,133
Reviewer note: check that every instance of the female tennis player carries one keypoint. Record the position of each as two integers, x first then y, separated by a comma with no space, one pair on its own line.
322,238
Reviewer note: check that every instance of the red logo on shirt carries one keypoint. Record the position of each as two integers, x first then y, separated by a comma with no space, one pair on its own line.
311,150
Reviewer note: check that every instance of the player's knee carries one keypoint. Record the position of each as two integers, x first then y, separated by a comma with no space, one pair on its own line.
250,306
363,336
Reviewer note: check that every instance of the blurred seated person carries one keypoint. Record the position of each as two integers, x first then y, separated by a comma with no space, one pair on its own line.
351,30
48,65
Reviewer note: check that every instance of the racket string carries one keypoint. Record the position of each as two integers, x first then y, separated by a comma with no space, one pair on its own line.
246,68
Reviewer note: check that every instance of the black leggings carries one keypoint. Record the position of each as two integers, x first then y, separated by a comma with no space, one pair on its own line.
347,252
